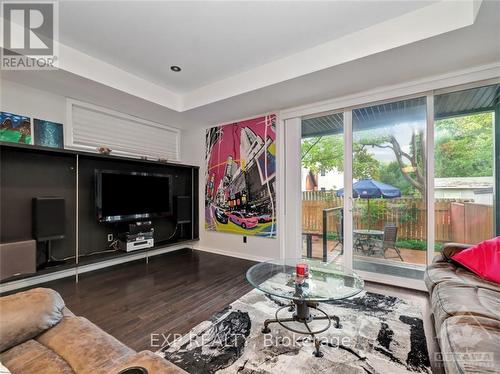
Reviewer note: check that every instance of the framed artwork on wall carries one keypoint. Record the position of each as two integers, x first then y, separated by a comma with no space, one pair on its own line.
48,134
240,177
15,128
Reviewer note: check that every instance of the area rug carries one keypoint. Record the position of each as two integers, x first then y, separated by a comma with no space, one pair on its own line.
378,334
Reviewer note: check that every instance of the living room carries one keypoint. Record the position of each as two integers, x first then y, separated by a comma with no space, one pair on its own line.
250,187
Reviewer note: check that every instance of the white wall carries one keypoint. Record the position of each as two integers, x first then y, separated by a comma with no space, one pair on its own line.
256,248
27,101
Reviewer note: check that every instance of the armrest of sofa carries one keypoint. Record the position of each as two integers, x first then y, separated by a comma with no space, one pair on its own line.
25,315
450,249
153,363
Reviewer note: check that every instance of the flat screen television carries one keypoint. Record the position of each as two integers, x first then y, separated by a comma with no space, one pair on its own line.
132,196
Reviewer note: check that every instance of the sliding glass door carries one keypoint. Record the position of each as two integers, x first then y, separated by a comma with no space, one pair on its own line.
383,186
464,176
322,165
389,188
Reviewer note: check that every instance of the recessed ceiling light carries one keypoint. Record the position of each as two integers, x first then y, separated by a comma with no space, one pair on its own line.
175,68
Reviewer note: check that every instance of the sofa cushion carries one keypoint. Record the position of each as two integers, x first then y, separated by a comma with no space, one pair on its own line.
32,357
455,298
482,259
445,271
451,249
84,346
470,344
26,314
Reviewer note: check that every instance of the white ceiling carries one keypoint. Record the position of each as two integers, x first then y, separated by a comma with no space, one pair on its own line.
211,40
447,51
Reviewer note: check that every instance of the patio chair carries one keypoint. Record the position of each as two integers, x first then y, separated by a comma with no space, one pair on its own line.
388,241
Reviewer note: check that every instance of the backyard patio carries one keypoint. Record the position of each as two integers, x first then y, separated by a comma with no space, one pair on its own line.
410,256
455,221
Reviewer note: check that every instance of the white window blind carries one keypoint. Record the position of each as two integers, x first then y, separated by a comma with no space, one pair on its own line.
90,126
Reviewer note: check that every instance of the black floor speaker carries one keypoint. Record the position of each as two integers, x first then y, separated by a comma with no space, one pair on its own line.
183,211
49,218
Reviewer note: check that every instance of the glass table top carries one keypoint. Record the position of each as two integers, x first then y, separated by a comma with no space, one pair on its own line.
325,281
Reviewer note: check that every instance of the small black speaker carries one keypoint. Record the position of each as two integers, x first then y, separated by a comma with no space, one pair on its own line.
183,209
49,218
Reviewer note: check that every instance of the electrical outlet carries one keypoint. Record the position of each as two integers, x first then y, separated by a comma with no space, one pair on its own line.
110,237
244,239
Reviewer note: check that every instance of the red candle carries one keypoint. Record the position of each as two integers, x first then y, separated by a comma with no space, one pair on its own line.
302,270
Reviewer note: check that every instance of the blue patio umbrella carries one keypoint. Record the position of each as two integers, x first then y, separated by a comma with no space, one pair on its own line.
372,189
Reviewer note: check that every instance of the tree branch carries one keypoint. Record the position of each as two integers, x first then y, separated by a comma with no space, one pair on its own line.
311,147
398,153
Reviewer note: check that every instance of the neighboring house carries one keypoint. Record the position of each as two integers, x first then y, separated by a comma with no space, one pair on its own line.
479,189
328,181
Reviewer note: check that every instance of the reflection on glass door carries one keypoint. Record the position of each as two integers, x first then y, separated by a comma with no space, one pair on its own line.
389,188
322,161
464,182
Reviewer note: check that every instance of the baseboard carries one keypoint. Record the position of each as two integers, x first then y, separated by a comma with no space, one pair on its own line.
37,279
244,256
28,282
414,284
132,257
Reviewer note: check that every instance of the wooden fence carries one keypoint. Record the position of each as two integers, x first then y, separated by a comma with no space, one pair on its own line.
472,223
408,214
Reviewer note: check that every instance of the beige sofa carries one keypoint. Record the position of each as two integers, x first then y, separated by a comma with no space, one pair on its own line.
466,312
39,335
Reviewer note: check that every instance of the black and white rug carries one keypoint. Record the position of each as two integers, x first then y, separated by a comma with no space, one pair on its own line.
379,334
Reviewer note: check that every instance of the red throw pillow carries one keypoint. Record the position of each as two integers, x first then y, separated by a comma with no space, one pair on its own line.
482,259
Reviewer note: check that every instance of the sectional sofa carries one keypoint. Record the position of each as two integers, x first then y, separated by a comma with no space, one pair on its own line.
466,311
40,335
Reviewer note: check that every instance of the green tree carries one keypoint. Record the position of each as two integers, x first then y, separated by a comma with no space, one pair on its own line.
364,165
411,165
326,153
464,146
323,153
390,173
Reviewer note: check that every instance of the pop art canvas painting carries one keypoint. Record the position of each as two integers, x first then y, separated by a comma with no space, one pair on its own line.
240,189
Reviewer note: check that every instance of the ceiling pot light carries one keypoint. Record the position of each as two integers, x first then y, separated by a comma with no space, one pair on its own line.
175,68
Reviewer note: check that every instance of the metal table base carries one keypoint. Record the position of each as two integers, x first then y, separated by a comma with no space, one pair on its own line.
302,313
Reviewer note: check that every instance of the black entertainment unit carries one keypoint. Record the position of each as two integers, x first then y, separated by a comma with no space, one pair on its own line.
103,196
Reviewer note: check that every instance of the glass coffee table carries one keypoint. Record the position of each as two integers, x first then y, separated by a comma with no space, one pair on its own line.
326,282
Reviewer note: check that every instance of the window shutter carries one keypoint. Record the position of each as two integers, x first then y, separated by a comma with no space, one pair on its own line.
90,126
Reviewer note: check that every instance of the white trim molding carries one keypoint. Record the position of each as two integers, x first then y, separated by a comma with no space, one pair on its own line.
410,283
395,92
429,174
244,256
293,193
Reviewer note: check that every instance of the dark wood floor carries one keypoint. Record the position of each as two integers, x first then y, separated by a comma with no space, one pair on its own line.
175,292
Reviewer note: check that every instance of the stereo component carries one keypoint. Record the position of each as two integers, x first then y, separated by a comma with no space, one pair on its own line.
138,227
136,245
135,240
